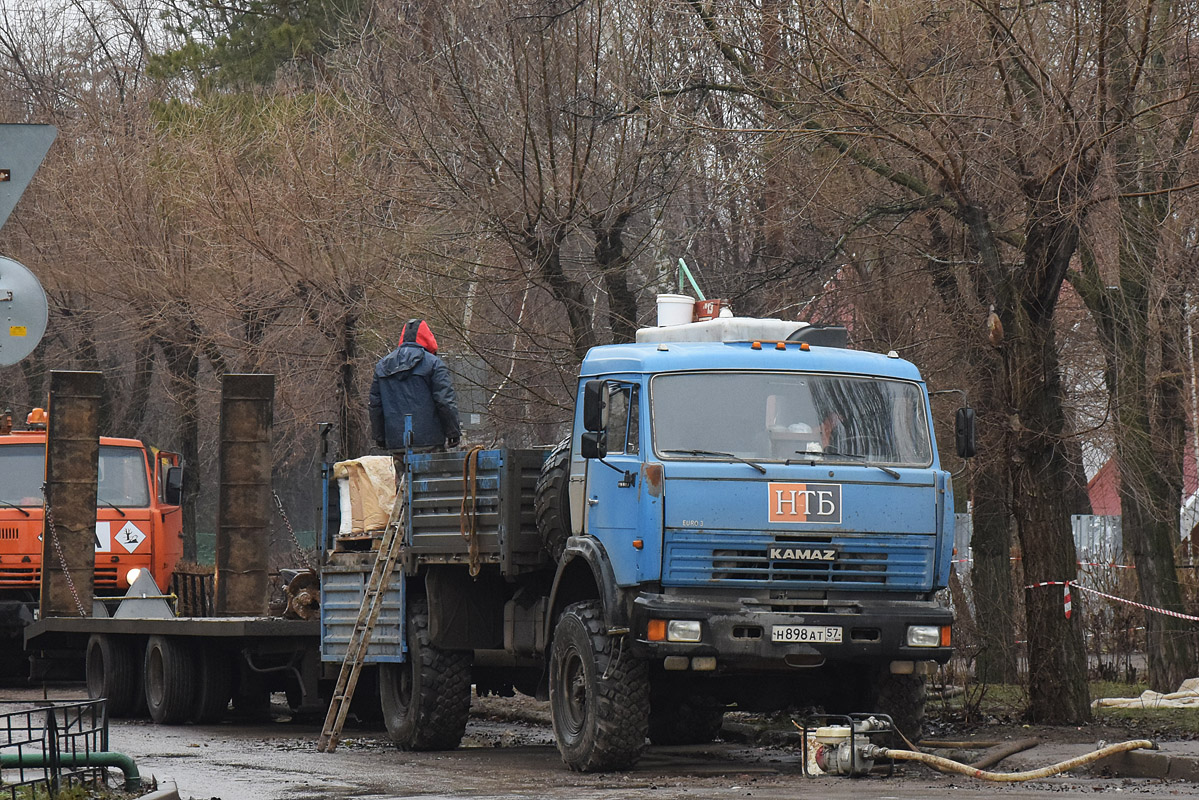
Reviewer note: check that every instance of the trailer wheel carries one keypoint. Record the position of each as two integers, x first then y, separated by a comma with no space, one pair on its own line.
214,686
426,700
599,693
111,670
684,719
169,676
551,502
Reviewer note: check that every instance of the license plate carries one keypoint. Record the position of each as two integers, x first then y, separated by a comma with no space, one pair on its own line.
805,633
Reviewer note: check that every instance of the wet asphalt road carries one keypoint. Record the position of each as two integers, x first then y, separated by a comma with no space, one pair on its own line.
508,753
518,761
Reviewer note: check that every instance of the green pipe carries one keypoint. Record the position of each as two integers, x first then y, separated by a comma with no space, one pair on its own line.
133,780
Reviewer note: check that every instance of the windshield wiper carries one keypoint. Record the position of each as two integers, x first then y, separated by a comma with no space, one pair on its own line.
717,454
828,454
110,505
14,505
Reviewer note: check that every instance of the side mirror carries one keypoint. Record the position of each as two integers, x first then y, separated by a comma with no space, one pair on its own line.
963,429
173,491
594,444
595,407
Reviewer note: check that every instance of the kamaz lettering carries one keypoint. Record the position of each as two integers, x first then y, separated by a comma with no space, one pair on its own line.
793,554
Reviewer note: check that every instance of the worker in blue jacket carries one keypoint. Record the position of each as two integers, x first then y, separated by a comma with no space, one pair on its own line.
412,380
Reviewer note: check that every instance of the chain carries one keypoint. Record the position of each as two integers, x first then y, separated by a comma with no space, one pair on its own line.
303,554
66,572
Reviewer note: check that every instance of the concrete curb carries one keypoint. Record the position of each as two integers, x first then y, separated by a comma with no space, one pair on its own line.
168,791
1149,764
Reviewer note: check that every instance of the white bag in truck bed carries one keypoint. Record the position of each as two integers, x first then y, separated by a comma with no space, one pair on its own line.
367,493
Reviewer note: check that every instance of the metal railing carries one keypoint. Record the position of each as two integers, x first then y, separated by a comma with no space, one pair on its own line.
41,742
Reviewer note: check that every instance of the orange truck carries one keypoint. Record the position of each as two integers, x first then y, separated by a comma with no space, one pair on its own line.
139,518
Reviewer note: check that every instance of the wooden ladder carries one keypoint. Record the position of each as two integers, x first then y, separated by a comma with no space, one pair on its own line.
364,626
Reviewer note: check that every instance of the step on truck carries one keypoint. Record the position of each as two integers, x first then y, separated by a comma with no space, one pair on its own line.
742,517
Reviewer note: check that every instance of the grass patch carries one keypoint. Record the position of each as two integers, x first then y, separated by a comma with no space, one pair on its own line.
992,703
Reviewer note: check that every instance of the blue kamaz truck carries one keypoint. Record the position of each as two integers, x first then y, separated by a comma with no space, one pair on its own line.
742,517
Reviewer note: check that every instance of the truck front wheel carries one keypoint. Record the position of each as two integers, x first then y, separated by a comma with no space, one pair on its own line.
903,698
111,670
426,700
599,694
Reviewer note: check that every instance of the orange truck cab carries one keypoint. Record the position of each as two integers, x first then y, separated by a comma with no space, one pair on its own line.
139,519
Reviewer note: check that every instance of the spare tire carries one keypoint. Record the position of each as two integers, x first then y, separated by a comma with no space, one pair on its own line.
551,501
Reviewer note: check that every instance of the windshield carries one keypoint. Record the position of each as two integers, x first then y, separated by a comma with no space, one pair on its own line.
121,477
770,416
22,470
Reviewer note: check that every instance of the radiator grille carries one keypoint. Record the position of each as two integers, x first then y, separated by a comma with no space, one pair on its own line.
11,576
742,558
9,533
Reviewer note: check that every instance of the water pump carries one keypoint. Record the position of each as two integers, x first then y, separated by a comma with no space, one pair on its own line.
845,748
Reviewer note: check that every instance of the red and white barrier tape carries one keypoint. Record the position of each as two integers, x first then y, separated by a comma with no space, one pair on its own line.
1107,596
1111,565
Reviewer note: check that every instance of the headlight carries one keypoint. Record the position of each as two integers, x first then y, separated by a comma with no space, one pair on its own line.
924,636
132,575
683,630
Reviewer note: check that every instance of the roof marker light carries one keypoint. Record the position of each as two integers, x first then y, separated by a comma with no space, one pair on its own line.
780,345
756,346
805,346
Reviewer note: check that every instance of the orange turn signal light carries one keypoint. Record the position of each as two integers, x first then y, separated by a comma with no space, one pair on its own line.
656,631
638,544
946,636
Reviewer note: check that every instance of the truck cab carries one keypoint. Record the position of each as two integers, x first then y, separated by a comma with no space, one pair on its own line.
139,519
772,516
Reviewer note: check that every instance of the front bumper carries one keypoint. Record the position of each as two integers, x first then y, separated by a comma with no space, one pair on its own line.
738,633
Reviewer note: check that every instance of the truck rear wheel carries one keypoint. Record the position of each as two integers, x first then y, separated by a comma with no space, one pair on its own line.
426,700
170,679
684,718
599,694
551,502
111,670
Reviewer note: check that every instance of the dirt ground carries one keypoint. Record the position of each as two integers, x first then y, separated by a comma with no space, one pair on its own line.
509,753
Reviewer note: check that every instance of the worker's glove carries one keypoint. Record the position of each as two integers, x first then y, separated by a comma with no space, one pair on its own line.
453,442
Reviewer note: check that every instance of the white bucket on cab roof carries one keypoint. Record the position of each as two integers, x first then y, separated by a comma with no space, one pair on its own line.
675,309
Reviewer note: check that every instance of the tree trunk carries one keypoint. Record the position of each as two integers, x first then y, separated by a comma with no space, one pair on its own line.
1149,444
183,367
614,267
139,393
547,254
990,486
1040,468
349,399
991,573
